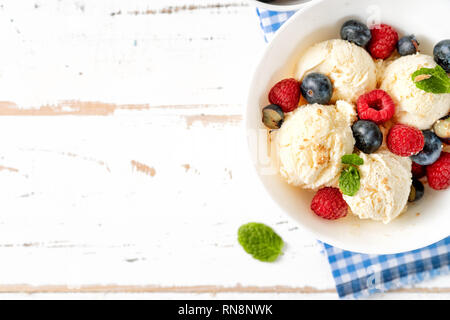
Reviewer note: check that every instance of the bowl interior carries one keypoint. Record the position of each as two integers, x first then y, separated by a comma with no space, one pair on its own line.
425,222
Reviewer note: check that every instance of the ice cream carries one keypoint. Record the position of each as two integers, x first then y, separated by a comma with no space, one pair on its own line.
349,67
312,141
414,106
381,65
385,187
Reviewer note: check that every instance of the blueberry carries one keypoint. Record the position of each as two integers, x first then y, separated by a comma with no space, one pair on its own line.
367,135
356,32
431,151
442,54
317,88
408,45
273,116
417,191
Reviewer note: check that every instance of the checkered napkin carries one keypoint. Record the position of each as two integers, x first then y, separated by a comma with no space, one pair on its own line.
360,275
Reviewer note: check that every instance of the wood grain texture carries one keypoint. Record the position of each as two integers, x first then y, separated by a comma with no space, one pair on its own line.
195,290
123,163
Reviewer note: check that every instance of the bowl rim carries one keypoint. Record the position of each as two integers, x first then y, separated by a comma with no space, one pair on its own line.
277,7
404,247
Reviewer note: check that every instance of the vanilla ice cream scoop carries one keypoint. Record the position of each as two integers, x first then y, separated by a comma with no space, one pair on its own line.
349,67
385,187
414,106
312,141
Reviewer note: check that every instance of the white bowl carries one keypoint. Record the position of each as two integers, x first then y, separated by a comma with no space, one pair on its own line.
426,221
281,5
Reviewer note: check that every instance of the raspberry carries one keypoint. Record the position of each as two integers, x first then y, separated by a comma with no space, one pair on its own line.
405,141
376,106
439,172
418,171
384,41
328,203
285,94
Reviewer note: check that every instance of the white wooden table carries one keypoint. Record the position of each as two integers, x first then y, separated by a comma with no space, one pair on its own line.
122,156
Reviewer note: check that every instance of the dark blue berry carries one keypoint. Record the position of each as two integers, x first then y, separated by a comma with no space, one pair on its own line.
317,88
273,116
417,190
356,32
431,151
367,135
442,54
408,45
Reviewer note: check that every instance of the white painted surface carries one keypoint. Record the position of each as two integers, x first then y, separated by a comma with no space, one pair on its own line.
78,219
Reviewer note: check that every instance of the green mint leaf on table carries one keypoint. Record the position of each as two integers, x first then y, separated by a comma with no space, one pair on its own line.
432,80
349,181
352,159
260,241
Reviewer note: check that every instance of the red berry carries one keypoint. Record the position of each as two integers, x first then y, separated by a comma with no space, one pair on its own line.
376,106
418,171
405,141
328,203
438,173
286,94
384,41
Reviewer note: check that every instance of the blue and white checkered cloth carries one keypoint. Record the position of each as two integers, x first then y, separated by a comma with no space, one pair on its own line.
360,275
271,21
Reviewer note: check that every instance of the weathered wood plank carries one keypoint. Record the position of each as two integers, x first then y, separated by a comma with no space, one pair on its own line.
158,59
123,163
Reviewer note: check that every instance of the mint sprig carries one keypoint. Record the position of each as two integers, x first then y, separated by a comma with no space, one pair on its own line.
432,80
350,179
260,241
352,159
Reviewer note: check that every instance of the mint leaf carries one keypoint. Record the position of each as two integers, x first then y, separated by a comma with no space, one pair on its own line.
352,159
260,241
432,80
349,181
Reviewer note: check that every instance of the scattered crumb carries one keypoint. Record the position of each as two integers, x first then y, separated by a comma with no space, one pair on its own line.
323,154
422,77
